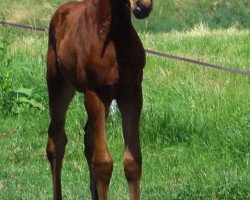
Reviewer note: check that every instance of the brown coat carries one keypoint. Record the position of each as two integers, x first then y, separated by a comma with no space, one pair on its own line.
94,49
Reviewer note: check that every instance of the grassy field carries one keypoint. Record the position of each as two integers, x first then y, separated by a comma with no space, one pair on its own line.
195,122
169,14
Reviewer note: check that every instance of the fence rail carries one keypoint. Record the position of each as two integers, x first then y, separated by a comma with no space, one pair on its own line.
23,26
153,52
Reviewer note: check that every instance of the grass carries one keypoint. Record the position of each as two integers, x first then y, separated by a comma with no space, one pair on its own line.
169,15
195,122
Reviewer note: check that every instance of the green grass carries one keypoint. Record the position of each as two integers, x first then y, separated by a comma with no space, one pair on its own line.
167,16
183,15
195,122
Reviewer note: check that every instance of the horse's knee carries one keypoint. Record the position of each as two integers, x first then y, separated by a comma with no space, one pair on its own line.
56,144
102,168
132,167
50,150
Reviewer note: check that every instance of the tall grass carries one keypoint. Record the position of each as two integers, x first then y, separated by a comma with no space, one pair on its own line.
195,124
185,15
168,15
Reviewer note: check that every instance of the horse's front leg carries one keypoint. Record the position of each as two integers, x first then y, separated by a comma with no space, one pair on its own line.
60,96
99,158
130,105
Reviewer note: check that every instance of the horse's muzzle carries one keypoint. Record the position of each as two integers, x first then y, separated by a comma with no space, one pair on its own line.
140,10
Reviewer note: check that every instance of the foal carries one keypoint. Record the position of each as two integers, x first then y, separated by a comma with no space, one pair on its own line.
94,49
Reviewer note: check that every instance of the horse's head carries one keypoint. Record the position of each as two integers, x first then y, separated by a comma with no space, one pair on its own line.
141,8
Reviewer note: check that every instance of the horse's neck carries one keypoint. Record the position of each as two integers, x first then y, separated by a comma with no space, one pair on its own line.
104,11
111,11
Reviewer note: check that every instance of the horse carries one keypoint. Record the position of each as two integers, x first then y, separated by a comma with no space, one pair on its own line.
94,49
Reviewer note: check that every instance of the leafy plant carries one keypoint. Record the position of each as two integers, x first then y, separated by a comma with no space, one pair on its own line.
24,99
12,100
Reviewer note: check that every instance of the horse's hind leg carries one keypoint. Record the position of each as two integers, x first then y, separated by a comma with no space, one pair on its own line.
60,95
130,105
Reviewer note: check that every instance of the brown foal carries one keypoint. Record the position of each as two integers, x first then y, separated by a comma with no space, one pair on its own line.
94,49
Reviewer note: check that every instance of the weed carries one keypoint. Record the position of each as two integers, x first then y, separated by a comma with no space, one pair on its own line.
12,100
6,99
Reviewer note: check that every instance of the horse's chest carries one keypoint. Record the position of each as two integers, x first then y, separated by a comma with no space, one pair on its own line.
102,69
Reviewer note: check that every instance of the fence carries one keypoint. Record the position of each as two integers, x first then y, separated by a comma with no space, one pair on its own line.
153,52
